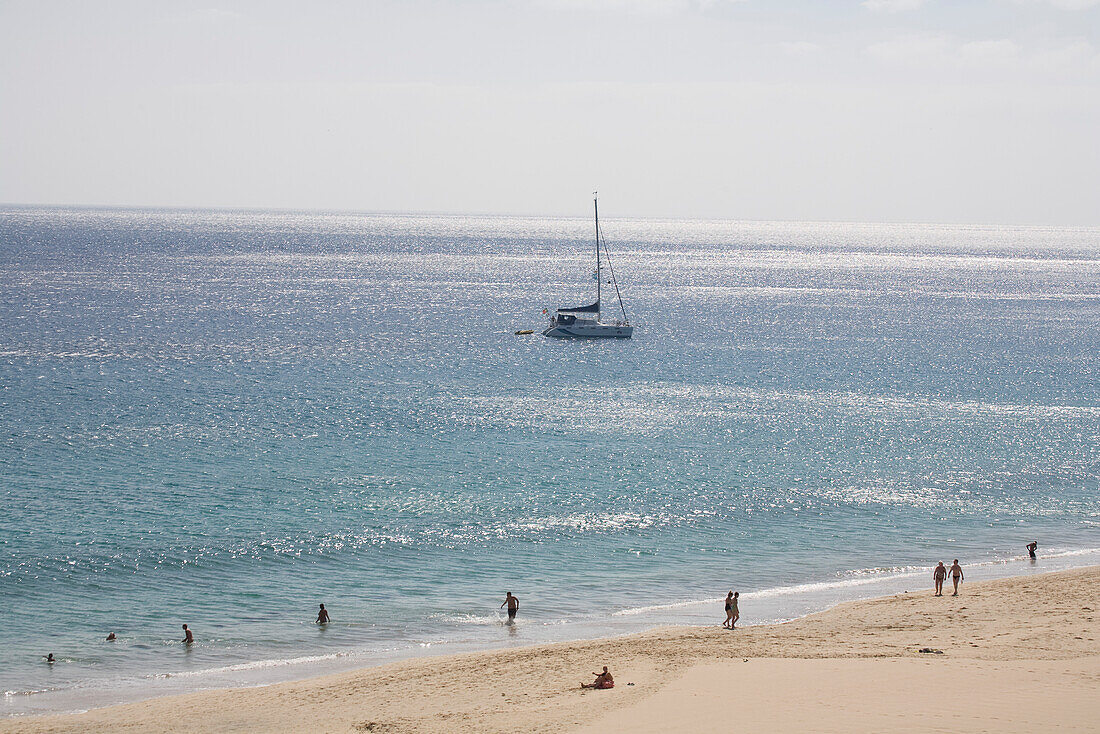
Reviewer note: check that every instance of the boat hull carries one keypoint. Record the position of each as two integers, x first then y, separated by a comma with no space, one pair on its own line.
589,331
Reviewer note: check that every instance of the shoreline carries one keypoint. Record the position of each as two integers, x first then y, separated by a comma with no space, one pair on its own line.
493,690
770,605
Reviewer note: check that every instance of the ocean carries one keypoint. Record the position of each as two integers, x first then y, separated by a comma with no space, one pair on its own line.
225,418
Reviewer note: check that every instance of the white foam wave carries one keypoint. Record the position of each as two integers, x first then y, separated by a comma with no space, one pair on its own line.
255,665
856,578
471,619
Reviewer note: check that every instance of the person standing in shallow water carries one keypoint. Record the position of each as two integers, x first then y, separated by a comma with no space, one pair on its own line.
956,575
513,607
322,615
188,637
939,575
1031,547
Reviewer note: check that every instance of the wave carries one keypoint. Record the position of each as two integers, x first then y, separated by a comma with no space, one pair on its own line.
862,577
255,665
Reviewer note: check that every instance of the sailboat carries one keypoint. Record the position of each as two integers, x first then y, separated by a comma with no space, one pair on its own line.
587,321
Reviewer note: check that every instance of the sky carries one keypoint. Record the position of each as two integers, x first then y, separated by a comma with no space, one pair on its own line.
954,111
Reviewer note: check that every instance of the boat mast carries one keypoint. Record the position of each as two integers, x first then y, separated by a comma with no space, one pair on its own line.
596,209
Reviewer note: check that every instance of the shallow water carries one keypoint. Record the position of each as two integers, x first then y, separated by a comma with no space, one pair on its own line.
224,418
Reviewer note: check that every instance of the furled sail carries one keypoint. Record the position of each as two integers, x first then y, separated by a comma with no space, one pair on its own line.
593,308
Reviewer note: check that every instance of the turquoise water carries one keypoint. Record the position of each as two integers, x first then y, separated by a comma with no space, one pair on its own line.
225,418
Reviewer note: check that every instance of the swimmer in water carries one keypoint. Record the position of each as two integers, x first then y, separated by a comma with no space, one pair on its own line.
111,637
322,615
188,636
49,659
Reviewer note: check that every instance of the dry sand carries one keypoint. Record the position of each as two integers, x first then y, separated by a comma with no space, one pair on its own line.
1019,654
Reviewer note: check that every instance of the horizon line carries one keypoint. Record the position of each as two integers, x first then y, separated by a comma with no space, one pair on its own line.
515,215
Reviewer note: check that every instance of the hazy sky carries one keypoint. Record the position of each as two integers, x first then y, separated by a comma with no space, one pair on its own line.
875,110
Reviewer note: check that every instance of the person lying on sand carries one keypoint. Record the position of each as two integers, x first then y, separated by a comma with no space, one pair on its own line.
956,575
938,576
603,680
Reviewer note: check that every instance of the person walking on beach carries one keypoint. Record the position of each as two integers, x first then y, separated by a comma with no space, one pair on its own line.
939,575
188,637
513,607
603,680
322,615
956,575
1031,549
732,615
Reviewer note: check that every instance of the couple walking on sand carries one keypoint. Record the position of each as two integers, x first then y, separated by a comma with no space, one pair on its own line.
732,615
940,574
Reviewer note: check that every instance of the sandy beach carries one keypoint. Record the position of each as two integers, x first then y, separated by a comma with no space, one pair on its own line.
1017,654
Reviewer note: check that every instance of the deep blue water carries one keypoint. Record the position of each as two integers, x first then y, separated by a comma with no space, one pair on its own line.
224,418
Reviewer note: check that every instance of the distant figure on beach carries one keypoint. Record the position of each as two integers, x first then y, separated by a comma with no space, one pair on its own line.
939,575
603,680
956,575
732,615
111,637
322,615
1031,548
188,636
51,661
513,607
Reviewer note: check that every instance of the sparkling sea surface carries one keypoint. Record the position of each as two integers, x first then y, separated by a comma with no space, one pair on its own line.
225,418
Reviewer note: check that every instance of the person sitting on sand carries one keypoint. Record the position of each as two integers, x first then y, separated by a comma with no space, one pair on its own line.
1031,548
938,576
188,636
603,680
322,615
956,575
513,606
